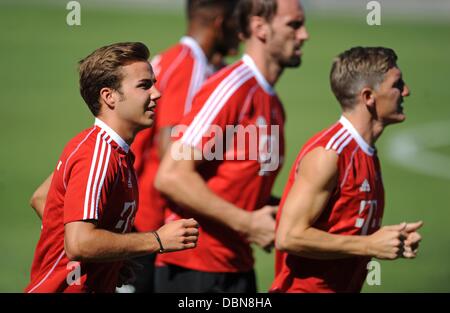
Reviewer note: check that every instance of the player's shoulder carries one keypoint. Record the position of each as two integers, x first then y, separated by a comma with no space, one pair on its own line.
321,138
234,81
176,59
339,138
82,140
319,163
91,143
171,53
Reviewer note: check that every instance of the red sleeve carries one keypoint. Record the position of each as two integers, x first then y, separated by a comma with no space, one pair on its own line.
89,180
176,92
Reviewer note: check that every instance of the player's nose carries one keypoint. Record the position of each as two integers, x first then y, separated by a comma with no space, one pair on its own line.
406,91
155,94
303,34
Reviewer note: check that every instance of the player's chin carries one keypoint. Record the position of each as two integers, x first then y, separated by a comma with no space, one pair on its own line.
396,118
147,121
401,116
294,61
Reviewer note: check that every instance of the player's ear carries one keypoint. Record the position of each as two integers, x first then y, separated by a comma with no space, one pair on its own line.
108,97
368,98
259,27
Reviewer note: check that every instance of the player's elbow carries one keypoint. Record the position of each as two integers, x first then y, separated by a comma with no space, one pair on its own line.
287,242
37,203
32,201
76,249
282,242
35,200
163,181
166,180
73,252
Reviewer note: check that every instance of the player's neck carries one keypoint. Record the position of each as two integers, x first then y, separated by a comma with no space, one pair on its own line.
204,38
369,129
269,68
123,130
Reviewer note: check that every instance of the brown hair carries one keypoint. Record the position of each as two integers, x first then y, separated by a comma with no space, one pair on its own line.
357,68
248,8
102,68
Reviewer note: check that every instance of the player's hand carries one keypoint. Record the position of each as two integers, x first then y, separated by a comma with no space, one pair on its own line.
179,235
412,239
387,243
261,230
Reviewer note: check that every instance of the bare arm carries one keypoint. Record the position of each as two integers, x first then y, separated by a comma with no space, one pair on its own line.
180,181
37,201
164,140
84,242
306,201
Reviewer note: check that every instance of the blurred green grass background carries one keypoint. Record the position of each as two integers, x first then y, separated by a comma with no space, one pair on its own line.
40,110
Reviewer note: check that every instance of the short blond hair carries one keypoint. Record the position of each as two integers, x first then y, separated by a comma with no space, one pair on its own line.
357,68
102,68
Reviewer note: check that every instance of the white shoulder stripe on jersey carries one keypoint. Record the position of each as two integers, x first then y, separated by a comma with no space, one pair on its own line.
192,84
223,100
333,139
101,167
91,173
102,180
198,74
73,152
207,107
197,79
96,179
340,140
216,109
358,138
346,142
310,145
215,103
49,272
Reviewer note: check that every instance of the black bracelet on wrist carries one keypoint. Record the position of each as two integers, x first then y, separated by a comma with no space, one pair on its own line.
161,248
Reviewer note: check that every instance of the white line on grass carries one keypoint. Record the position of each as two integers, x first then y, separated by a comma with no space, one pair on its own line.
413,149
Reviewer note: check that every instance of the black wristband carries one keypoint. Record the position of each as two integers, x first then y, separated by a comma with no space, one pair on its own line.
161,248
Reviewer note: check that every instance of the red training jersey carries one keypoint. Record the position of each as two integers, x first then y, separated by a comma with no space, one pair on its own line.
93,181
355,208
237,122
180,71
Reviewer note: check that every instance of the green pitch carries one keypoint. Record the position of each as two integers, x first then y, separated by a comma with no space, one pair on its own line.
40,110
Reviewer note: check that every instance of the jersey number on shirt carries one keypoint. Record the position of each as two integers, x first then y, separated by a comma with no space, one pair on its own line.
127,213
364,223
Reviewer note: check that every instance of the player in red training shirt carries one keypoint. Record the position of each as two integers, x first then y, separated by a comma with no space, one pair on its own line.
328,225
180,71
236,128
93,195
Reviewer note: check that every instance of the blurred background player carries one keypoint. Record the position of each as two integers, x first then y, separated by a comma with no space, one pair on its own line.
180,71
230,196
328,225
93,194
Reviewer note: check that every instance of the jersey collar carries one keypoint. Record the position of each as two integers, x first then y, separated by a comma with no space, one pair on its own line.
195,48
259,77
359,139
111,133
